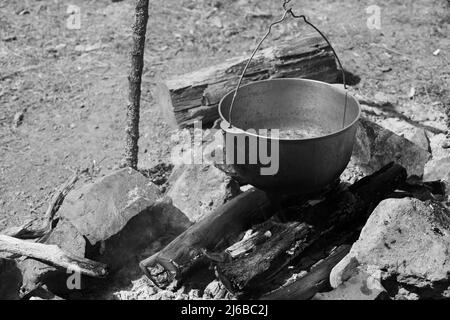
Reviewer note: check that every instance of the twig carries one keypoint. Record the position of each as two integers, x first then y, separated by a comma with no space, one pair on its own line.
383,46
25,231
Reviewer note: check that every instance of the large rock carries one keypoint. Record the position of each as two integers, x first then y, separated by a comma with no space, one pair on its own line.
119,220
102,208
409,242
199,189
376,146
143,235
123,215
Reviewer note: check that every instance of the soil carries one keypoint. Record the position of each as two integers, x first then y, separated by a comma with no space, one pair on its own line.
63,92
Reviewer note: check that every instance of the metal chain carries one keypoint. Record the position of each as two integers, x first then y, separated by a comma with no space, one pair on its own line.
286,12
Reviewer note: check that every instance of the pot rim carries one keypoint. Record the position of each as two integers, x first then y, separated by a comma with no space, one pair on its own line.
224,125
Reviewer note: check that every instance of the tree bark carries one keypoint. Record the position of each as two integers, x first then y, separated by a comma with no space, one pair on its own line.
134,81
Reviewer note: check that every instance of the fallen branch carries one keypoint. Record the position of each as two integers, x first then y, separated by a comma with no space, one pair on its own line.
26,231
52,255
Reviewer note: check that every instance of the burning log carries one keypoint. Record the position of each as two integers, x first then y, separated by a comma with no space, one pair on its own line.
195,96
341,213
307,286
53,255
220,228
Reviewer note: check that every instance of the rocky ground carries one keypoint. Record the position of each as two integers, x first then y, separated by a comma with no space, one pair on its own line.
63,98
63,92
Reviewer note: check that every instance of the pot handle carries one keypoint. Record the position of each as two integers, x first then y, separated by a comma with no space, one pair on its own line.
285,14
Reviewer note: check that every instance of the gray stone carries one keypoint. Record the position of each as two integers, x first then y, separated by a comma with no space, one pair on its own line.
35,273
102,208
143,235
376,146
438,169
408,241
360,286
437,144
419,137
10,280
197,190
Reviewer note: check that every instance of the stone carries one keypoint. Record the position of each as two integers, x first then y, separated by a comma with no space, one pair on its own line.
102,208
376,146
143,235
198,189
35,273
438,169
398,126
360,286
419,137
10,280
408,241
437,143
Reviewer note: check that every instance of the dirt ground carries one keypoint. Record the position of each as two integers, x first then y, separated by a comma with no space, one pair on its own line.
63,92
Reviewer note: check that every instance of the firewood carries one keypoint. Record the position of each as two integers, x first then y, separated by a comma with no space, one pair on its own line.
276,248
52,255
195,96
219,229
308,285
339,213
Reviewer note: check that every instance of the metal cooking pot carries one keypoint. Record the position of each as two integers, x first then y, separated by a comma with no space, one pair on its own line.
305,165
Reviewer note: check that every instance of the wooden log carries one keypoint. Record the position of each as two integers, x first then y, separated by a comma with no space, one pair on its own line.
276,248
219,229
195,96
53,255
340,213
308,285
